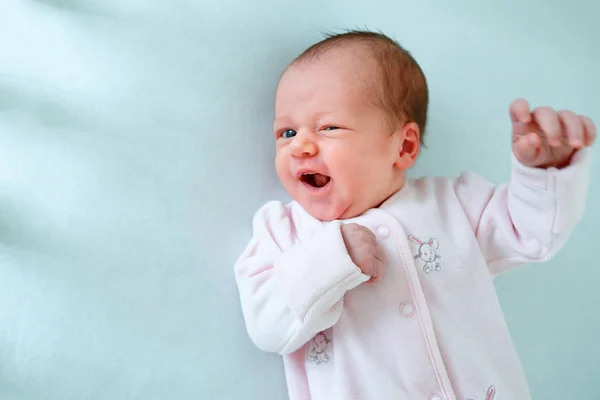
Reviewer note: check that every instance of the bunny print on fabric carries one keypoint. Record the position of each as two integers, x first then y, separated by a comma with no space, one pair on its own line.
428,253
318,349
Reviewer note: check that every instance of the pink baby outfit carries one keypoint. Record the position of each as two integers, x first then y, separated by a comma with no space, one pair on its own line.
431,328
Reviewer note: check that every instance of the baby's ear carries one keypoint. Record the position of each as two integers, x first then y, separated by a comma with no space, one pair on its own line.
409,145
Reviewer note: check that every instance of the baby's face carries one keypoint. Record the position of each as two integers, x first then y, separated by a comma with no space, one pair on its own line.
335,150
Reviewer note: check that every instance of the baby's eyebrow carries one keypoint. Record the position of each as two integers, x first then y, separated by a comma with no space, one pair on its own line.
282,121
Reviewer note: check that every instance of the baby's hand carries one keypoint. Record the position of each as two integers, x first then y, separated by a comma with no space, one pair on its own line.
545,138
364,250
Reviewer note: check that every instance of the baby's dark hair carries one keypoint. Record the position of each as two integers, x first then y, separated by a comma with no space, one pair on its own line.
402,88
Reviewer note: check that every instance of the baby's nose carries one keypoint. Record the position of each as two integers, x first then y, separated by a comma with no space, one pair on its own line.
303,146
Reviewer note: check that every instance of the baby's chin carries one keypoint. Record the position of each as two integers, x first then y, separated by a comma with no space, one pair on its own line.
328,212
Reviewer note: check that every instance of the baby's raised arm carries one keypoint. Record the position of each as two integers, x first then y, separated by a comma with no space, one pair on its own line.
531,218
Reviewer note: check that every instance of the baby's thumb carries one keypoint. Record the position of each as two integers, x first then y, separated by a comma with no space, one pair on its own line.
527,148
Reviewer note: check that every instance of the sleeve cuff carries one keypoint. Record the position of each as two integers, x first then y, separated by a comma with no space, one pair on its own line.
546,178
315,275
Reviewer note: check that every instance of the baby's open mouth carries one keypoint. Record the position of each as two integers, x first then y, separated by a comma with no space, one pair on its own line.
315,180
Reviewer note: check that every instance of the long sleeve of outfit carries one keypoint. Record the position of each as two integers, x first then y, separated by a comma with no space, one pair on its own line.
289,290
530,219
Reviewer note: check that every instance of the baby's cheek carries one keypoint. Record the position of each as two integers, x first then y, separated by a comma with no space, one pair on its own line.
283,170
337,159
351,169
279,163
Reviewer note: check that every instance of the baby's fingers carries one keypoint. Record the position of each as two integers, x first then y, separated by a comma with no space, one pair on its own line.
379,254
590,130
547,119
519,111
573,128
378,263
527,149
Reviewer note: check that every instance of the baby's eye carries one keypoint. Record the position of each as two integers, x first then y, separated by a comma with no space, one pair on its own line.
332,128
288,133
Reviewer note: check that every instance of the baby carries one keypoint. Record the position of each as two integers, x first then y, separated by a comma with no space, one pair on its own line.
373,286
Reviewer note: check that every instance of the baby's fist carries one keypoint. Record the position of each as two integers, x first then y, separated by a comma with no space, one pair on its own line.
545,138
364,250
